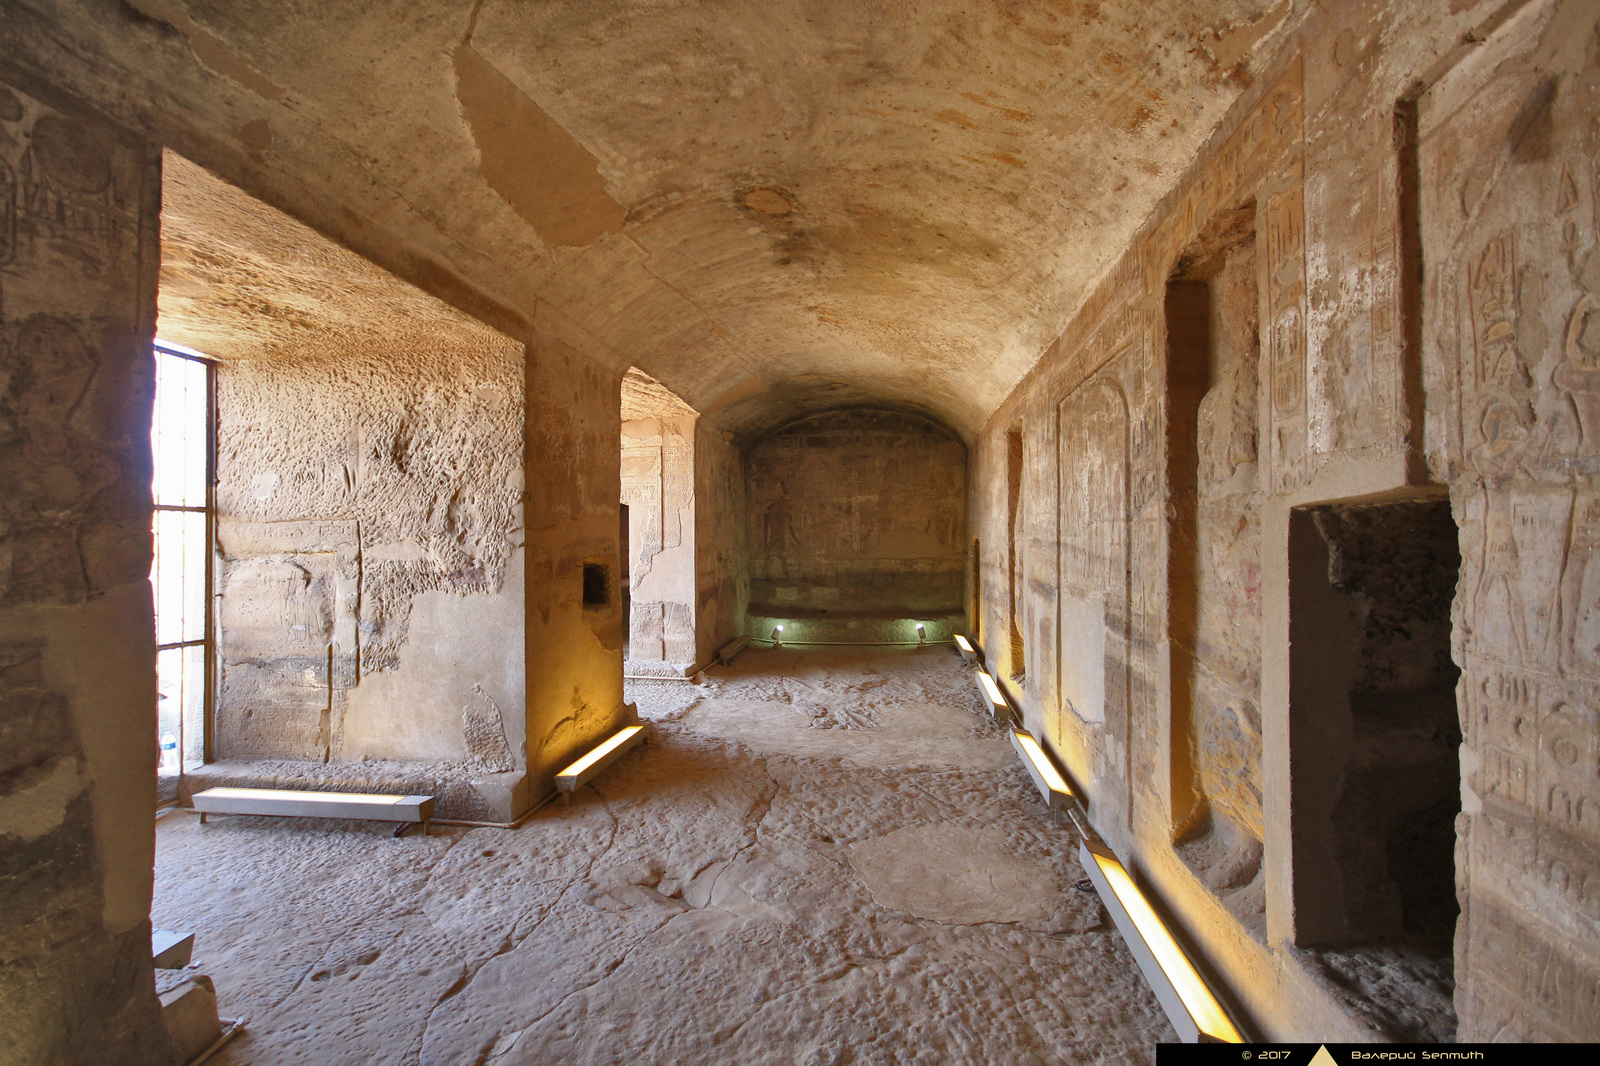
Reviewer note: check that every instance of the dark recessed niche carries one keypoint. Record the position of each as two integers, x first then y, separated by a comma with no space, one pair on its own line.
596,585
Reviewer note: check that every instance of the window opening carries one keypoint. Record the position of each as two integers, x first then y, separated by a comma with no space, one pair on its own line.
181,447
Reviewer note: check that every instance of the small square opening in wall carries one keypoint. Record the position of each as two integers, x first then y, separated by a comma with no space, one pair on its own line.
596,585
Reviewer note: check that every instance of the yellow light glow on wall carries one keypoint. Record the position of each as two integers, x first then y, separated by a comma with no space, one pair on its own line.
1194,1011
609,745
1041,769
991,691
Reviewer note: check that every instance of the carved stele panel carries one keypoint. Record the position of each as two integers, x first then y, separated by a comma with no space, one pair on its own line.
1091,728
288,643
1284,334
1508,155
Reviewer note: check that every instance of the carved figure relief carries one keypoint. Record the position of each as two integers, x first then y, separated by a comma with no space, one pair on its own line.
1492,292
1514,311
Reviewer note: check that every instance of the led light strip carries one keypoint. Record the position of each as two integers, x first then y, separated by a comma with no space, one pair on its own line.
606,747
289,795
998,707
1193,1010
1057,794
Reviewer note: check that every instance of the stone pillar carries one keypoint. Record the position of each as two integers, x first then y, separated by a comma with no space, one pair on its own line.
574,616
658,465
79,224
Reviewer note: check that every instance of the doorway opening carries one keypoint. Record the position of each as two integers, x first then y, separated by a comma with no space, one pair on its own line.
977,593
1014,538
1375,734
656,578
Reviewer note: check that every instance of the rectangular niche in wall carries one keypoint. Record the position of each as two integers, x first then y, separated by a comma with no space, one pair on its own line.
1015,537
596,585
1375,735
1214,563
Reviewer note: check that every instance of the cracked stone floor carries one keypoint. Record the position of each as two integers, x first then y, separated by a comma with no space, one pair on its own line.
826,857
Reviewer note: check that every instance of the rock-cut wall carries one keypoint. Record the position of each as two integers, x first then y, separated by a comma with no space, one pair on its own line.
370,578
1362,330
857,511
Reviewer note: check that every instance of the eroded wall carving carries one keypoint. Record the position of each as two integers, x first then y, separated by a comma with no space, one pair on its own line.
857,511
658,487
348,488
1510,157
78,221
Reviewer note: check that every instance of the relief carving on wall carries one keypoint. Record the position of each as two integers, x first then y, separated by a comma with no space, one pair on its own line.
69,205
288,645
1284,335
1509,170
1091,728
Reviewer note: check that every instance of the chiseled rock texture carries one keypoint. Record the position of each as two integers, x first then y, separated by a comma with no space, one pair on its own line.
762,883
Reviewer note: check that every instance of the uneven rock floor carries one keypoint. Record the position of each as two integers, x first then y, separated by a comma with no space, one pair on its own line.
827,857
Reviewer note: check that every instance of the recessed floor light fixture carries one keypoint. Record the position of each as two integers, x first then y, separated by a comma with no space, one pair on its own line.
964,646
605,753
1190,1005
1052,786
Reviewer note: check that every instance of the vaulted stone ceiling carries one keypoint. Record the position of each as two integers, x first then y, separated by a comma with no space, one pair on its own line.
894,202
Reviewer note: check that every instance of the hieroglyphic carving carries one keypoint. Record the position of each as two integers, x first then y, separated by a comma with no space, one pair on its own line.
1492,296
1506,239
1284,333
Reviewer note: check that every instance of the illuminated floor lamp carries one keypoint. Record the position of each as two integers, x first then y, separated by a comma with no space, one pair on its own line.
1192,1007
994,700
605,753
1193,1010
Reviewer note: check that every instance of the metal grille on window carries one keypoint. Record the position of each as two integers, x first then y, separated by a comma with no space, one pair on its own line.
180,443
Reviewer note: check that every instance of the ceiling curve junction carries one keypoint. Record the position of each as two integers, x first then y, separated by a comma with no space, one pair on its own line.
904,200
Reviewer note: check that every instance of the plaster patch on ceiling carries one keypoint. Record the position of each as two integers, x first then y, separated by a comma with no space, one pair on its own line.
767,201
535,165
211,51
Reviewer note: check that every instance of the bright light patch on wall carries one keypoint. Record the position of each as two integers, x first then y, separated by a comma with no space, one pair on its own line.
1045,776
1193,1010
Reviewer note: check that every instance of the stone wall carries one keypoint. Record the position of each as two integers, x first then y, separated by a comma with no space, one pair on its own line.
1509,161
369,522
857,511
574,648
721,579
79,207
1158,488
658,483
